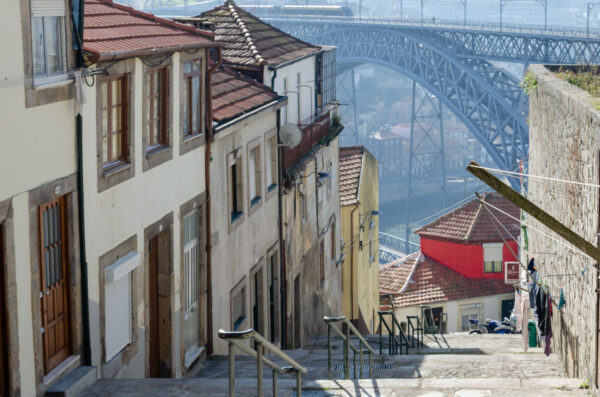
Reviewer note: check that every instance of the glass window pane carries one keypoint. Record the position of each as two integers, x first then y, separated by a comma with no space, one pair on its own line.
116,92
116,149
185,104
157,131
156,78
104,94
116,119
53,40
196,65
156,106
193,225
187,67
37,38
196,103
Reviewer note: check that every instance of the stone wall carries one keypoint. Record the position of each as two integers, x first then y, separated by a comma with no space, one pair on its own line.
564,143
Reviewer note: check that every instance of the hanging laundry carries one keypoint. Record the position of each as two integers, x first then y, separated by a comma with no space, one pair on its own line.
517,310
548,335
531,267
532,294
523,322
541,309
561,301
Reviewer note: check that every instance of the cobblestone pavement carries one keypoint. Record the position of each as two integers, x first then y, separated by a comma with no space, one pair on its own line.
462,365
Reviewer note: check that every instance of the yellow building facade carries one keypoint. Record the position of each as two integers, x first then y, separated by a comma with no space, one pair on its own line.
359,204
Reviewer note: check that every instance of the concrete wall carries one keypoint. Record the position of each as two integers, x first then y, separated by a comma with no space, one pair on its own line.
147,199
241,248
360,272
565,143
316,298
37,160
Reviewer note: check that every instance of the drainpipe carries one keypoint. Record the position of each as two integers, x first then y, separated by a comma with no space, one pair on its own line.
207,159
85,313
282,257
352,261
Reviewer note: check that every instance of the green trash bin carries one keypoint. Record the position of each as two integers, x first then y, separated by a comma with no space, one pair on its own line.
532,329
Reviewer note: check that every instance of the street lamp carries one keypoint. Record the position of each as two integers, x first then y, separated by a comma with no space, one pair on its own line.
590,7
364,216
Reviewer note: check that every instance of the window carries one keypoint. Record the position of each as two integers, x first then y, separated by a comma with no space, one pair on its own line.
192,97
284,111
238,308
114,121
156,107
492,258
327,78
236,186
333,241
303,208
190,261
329,180
271,163
371,226
48,38
470,311
464,322
322,260
117,308
254,175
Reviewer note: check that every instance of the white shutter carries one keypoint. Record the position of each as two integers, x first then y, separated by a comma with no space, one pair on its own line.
117,311
48,8
492,252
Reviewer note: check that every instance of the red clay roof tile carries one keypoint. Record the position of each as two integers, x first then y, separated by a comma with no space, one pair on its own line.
472,223
114,31
351,159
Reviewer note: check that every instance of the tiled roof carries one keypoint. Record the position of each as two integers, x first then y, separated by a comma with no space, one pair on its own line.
234,94
115,31
472,223
393,276
350,166
251,42
433,282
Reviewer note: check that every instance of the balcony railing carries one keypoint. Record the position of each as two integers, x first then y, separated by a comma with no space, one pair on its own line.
314,130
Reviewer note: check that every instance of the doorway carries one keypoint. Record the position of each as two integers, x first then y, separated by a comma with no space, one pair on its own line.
54,282
507,307
258,302
154,337
273,290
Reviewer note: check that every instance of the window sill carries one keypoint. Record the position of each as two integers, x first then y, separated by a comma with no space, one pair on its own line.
236,216
155,150
255,201
193,137
115,169
271,188
43,82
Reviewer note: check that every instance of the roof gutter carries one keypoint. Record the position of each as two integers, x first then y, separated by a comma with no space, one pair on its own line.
111,56
280,101
292,61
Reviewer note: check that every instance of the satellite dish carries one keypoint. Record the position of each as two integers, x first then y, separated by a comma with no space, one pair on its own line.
290,135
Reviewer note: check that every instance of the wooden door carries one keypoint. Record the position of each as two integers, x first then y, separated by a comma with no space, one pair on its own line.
54,282
191,287
153,308
3,324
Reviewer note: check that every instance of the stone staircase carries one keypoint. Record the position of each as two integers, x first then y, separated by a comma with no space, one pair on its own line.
467,365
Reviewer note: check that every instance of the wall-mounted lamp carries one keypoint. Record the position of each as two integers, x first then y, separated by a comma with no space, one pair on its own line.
362,217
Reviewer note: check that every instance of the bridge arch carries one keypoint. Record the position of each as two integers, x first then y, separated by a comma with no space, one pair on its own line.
496,121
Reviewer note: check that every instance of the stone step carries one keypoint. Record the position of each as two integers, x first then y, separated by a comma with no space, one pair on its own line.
545,386
74,383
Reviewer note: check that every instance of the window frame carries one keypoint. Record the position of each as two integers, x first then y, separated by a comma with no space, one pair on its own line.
255,173
271,163
46,78
239,290
493,266
124,158
150,118
235,187
187,79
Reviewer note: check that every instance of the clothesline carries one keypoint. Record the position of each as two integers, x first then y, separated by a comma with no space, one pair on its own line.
535,176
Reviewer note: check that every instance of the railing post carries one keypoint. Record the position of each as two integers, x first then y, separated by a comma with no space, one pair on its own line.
370,365
360,361
354,364
394,335
347,354
298,383
259,369
231,370
275,391
380,335
329,363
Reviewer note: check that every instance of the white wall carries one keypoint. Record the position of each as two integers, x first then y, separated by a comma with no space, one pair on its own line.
128,208
237,248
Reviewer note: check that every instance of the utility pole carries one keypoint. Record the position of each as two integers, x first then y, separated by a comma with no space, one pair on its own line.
535,211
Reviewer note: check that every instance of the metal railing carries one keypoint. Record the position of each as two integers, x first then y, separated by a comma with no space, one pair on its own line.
393,342
331,321
412,329
237,338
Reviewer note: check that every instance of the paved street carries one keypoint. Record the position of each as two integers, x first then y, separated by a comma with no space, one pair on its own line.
464,365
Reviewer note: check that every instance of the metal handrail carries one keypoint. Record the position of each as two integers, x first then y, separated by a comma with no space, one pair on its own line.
236,338
330,321
418,329
393,342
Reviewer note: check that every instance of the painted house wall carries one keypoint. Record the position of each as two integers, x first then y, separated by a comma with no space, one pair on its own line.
37,160
490,308
306,68
242,247
466,259
360,274
150,198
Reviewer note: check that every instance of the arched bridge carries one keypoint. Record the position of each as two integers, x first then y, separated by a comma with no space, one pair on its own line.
453,62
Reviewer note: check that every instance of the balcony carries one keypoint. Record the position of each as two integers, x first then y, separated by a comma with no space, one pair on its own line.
315,130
